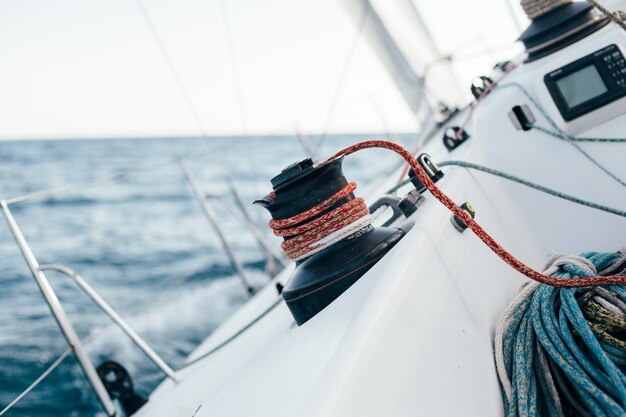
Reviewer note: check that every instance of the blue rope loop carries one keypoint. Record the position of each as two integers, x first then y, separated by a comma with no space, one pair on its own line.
561,359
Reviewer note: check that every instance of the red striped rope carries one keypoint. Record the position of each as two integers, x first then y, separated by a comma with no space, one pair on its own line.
474,226
304,235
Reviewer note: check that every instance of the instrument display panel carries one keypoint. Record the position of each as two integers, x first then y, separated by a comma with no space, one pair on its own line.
588,83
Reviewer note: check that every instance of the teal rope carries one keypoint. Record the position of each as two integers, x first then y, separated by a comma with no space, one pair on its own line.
545,114
574,138
522,181
398,186
588,379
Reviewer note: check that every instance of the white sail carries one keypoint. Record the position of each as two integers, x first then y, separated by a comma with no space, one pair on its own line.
408,52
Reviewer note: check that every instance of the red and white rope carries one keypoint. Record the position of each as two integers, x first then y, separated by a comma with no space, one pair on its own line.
474,226
308,237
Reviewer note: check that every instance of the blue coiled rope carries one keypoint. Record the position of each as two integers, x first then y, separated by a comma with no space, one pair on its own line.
564,350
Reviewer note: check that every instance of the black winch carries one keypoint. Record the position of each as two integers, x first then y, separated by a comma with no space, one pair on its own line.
322,277
558,27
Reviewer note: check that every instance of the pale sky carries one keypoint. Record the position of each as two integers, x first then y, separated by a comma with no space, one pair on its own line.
89,68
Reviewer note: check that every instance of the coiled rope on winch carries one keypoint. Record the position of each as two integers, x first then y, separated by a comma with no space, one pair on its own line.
561,351
308,232
473,224
341,222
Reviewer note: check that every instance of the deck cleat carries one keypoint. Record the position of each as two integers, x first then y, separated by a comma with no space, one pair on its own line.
453,137
431,169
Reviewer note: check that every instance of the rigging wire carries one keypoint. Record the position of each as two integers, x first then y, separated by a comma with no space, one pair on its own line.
178,79
196,116
344,72
234,67
451,56
39,195
167,289
171,66
37,381
235,335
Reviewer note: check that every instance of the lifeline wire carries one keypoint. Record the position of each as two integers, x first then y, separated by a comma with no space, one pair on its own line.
37,381
221,345
38,195
561,351
473,224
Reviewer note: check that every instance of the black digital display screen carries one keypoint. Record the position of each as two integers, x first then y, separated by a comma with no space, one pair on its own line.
581,86
588,83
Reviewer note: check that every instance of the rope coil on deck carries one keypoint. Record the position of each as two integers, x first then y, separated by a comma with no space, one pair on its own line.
561,351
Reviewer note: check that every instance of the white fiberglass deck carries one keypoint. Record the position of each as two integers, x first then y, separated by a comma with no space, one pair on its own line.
414,335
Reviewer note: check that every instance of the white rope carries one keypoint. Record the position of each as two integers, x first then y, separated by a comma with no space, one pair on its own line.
37,381
559,259
342,233
552,266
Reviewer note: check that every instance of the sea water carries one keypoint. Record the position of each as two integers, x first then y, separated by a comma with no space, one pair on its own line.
142,242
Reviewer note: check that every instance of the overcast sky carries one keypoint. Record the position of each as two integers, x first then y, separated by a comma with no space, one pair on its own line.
90,68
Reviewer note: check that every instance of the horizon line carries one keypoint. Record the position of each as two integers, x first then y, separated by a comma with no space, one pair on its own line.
198,137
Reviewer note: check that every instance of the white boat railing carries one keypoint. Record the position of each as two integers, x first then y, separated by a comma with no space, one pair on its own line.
109,311
74,343
59,314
